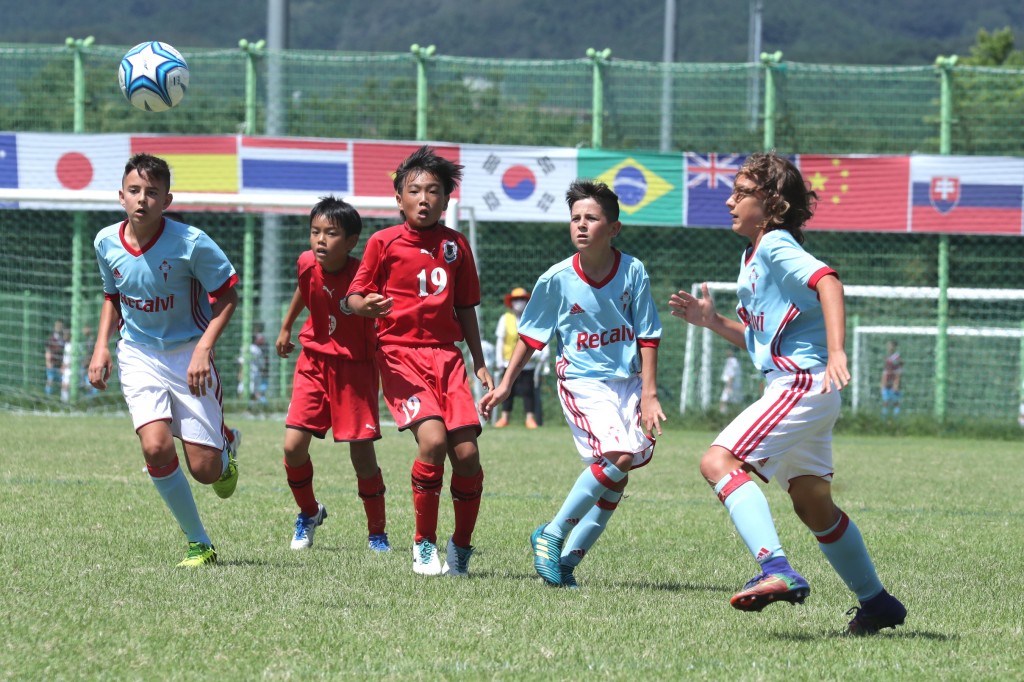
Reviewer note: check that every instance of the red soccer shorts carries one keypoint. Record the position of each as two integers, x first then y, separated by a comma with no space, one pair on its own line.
337,394
424,382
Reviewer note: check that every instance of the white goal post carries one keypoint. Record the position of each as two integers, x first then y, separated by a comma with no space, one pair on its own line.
697,390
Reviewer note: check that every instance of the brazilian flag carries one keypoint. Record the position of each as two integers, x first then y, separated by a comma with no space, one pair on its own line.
650,186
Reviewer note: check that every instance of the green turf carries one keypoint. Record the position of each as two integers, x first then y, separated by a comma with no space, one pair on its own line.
90,588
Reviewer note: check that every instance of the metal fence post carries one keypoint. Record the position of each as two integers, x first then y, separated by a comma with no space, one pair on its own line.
945,66
598,59
770,62
421,54
78,236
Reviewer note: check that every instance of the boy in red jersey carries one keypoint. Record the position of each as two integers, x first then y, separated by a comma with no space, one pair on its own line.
335,385
419,281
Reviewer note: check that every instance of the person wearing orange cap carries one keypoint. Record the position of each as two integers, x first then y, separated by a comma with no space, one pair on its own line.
506,335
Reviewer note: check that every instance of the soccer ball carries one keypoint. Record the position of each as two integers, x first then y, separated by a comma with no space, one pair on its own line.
153,76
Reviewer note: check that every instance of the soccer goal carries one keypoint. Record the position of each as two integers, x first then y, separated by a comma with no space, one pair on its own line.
48,276
964,351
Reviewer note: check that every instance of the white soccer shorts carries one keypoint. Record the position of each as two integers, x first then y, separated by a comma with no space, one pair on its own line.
604,417
155,386
788,431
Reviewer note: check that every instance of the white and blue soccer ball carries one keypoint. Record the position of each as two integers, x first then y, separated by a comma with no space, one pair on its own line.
153,76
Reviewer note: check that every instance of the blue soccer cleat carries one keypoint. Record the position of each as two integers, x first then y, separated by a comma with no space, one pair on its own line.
546,552
378,542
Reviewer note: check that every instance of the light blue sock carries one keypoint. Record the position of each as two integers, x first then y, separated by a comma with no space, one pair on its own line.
224,459
748,509
177,495
844,547
589,529
592,483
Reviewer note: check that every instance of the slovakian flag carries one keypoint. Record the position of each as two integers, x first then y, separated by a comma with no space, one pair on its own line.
973,194
860,193
649,186
709,180
207,163
375,164
518,183
295,164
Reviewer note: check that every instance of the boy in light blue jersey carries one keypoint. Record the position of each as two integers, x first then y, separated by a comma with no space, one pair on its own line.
598,305
792,321
159,278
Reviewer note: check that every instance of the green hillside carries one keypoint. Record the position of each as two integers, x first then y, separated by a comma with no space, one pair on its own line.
863,32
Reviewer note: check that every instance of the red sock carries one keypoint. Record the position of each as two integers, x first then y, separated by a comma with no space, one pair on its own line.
227,433
300,480
426,496
466,492
372,490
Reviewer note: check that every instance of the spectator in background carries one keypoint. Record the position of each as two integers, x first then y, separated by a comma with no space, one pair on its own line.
732,382
54,352
506,335
259,365
892,381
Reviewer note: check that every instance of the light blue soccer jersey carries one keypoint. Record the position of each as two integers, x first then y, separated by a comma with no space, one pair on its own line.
162,290
599,325
783,323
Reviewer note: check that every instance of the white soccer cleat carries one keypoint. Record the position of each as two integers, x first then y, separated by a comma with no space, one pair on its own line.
305,527
457,560
424,558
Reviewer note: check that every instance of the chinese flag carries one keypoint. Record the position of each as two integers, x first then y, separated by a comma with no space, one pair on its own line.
865,193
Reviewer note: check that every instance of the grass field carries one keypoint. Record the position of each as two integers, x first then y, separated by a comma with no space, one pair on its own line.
90,590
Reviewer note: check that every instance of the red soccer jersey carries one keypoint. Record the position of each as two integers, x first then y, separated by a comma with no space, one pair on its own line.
428,273
332,328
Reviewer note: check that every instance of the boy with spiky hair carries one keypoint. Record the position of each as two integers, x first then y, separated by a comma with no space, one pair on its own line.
336,385
793,325
156,276
419,281
599,306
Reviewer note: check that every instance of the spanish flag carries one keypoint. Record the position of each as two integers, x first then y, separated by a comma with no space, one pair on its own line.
207,163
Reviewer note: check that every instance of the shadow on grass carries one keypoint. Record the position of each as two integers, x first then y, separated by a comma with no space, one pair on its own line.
843,634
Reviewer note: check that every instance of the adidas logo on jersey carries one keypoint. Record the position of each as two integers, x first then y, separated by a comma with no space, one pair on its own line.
576,309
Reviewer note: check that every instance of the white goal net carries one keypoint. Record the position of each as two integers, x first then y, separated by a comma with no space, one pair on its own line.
963,353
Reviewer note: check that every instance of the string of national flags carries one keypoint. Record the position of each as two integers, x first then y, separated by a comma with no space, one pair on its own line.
915,193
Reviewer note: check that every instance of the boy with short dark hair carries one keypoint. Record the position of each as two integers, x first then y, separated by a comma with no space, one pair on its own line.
156,274
335,386
419,281
598,304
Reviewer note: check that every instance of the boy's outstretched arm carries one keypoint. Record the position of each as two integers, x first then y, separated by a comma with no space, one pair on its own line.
471,332
651,414
702,313
833,308
521,355
284,344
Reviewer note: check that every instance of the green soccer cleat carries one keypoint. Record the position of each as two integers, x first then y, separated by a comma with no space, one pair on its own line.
225,486
199,554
